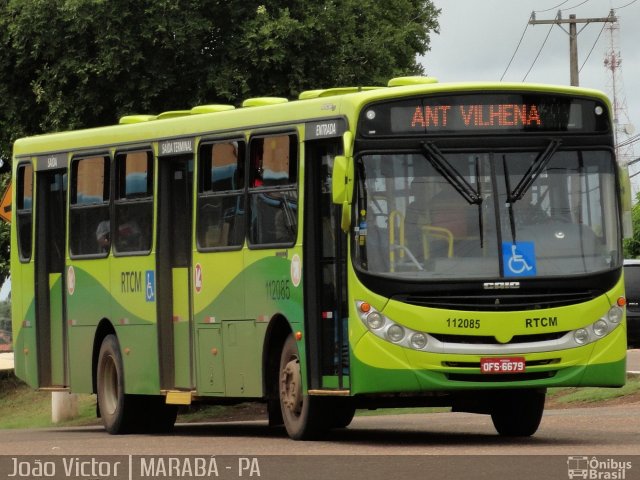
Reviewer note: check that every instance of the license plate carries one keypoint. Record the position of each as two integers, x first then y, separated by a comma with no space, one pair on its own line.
502,365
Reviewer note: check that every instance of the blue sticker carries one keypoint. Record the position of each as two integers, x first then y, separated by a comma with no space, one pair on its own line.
519,259
150,286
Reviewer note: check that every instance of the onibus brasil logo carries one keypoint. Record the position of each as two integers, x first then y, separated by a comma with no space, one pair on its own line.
594,468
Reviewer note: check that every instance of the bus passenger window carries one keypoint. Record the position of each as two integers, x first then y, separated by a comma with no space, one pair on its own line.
220,219
134,202
273,192
89,209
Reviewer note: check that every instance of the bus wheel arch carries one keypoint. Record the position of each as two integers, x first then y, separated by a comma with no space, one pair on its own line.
105,327
277,332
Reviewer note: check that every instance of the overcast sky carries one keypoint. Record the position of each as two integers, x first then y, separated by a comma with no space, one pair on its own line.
478,37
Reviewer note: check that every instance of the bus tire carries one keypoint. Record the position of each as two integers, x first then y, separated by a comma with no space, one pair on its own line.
161,417
518,413
302,414
339,412
118,410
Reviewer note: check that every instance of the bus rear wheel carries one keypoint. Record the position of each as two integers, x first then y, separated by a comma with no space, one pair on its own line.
518,413
302,414
116,408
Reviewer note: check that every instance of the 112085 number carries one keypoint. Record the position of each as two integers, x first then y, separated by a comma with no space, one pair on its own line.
278,290
463,323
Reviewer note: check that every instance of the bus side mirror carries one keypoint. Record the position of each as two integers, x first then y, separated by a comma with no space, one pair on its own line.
342,179
342,187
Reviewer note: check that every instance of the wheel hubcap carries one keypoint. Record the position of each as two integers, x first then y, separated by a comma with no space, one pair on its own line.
291,387
109,399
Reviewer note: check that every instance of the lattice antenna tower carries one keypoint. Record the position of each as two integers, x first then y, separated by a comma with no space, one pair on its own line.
624,130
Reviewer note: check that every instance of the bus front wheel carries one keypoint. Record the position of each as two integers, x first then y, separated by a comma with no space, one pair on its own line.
518,413
301,413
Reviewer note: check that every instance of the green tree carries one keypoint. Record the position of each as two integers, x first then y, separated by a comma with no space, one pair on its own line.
5,315
632,245
5,236
68,64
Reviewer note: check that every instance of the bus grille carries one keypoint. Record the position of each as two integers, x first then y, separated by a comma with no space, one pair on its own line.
498,302
489,340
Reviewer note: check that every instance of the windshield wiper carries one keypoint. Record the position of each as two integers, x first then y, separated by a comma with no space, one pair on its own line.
456,180
536,168
450,174
512,219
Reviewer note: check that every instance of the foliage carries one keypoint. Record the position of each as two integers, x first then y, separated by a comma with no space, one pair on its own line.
5,235
632,245
68,64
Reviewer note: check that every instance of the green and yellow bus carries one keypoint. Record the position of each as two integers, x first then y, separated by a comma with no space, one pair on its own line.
416,244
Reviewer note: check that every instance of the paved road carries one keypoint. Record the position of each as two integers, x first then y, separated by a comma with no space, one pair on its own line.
582,431
448,446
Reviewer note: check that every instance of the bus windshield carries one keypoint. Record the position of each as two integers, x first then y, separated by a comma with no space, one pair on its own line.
487,214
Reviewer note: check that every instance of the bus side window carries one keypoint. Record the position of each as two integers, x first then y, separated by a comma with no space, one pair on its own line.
25,209
133,222
273,192
220,220
89,224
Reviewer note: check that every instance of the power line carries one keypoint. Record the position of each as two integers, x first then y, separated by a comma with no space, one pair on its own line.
552,8
539,52
623,6
630,140
575,6
516,51
594,46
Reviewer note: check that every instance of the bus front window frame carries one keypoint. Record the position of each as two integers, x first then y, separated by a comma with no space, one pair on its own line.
585,173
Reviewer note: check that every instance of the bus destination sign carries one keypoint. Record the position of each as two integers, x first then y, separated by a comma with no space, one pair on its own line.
484,113
477,116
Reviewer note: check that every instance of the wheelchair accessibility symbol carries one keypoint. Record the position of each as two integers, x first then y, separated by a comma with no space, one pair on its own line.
519,259
150,286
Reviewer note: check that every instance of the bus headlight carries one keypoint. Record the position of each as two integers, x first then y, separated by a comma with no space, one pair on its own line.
418,340
581,336
615,314
600,328
395,333
375,321
387,329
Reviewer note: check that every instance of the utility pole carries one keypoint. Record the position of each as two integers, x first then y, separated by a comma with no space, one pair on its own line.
573,35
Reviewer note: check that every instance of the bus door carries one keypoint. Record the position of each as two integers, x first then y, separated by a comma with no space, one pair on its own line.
325,254
173,257
50,223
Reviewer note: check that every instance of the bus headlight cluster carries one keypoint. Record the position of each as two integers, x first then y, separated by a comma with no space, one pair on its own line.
602,326
385,328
